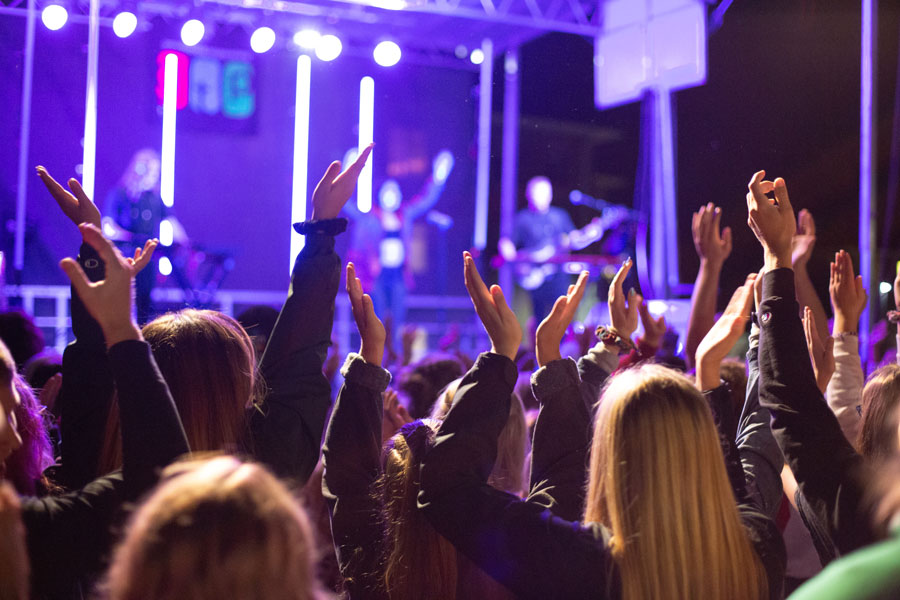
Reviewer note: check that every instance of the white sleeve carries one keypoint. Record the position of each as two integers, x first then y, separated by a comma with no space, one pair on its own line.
844,392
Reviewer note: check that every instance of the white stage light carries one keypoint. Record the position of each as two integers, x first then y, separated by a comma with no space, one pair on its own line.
192,32
328,47
307,38
54,16
262,40
477,56
167,156
166,232
301,153
165,266
885,287
366,136
387,53
124,24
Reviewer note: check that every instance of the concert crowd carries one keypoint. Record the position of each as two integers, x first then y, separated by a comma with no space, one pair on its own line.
186,459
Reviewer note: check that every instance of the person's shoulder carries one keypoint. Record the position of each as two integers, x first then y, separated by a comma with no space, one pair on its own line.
870,573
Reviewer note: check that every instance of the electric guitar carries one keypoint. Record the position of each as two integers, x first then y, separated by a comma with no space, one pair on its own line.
532,266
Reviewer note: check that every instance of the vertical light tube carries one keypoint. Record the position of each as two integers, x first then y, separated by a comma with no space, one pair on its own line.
509,170
867,146
89,157
666,121
483,165
167,156
301,153
24,138
366,137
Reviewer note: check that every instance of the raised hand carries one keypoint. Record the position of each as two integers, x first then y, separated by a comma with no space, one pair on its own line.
654,328
724,335
804,240
551,330
371,330
75,204
335,188
711,246
498,319
772,221
821,353
393,416
109,300
623,313
848,296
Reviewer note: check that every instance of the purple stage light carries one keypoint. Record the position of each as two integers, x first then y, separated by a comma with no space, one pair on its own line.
477,56
262,40
328,47
124,24
54,16
192,32
387,53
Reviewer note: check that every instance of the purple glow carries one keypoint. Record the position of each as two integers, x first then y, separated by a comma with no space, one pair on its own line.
866,170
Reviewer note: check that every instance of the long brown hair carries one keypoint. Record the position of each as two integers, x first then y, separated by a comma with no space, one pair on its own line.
657,480
208,361
878,437
216,528
420,563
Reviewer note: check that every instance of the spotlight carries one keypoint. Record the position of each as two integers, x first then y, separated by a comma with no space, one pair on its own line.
387,53
885,287
124,24
54,16
165,266
192,32
328,47
477,56
307,38
262,40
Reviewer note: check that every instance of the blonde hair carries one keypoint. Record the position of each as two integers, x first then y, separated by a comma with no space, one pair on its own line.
216,528
510,472
657,480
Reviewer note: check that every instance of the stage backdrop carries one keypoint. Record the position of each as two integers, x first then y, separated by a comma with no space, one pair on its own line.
233,171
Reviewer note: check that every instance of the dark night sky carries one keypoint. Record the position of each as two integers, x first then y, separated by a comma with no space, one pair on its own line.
782,94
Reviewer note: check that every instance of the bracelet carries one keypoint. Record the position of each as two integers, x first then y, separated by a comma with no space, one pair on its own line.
610,337
893,316
325,226
842,336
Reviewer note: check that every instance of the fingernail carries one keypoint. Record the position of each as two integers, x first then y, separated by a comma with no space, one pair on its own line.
631,292
628,261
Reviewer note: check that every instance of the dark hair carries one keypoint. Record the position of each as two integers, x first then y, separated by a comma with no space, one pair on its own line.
423,381
21,336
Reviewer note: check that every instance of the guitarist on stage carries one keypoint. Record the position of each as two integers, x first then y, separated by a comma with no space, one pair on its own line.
540,228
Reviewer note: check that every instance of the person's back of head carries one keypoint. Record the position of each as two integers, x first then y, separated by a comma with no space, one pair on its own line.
208,361
657,480
421,382
24,468
259,321
878,435
419,563
216,528
209,364
21,336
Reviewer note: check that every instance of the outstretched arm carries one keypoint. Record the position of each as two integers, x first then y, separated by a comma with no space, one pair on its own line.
801,251
287,430
352,454
830,474
521,544
712,248
848,299
562,431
